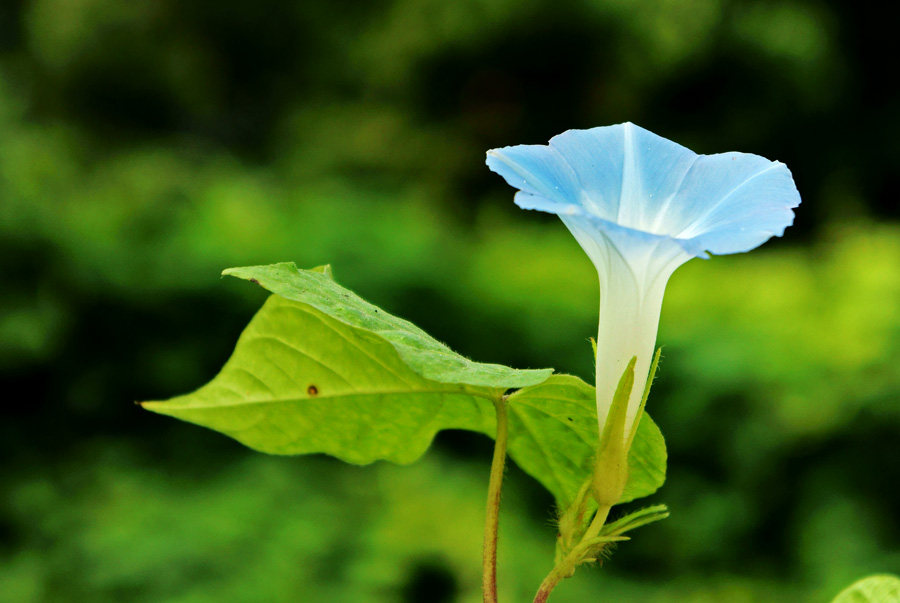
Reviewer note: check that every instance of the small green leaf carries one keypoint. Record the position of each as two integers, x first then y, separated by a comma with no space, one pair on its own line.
874,589
342,377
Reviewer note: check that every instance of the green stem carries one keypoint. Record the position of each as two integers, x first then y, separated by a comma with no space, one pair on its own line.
492,517
596,524
550,582
564,569
560,572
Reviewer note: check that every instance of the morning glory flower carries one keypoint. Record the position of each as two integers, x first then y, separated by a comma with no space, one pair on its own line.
641,206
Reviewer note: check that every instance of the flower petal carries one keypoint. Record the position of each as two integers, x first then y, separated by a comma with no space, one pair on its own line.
733,202
628,174
536,170
628,177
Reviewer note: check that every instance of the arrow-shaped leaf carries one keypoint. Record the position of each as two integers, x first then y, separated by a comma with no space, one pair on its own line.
320,370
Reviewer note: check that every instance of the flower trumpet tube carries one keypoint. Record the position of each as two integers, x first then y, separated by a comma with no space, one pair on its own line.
641,206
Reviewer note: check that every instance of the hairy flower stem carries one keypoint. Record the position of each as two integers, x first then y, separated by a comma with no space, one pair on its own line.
596,524
552,579
492,517
567,566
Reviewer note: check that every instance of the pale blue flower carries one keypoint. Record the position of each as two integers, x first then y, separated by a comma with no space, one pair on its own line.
641,206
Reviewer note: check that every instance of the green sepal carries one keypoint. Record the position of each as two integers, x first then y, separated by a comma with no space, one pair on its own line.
611,467
592,549
640,413
635,520
573,522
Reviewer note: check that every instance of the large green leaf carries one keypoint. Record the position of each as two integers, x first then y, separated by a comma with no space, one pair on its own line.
421,352
874,589
328,372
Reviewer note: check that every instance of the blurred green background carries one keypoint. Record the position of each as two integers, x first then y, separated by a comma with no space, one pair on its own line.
146,145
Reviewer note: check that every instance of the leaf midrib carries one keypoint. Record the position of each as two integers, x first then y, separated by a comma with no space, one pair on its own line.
250,402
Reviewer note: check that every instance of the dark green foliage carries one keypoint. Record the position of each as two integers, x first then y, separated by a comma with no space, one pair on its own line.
144,146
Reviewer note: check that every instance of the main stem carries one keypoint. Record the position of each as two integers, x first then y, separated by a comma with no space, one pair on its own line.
492,517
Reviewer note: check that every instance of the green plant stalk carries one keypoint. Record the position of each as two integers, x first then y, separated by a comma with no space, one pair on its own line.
597,523
559,572
567,567
492,516
610,476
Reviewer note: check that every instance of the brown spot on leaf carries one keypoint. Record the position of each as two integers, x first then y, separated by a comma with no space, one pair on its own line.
312,390
254,281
